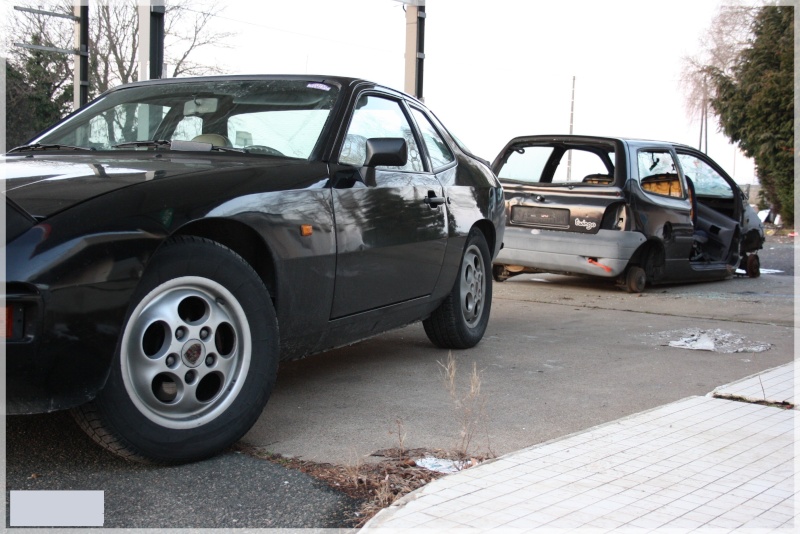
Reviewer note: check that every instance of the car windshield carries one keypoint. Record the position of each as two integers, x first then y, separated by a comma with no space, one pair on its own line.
272,117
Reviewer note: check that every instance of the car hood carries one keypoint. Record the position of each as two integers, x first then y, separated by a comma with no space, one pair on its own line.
45,184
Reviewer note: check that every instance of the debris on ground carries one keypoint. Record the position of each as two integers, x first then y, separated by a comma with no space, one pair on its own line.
376,485
700,341
710,340
445,465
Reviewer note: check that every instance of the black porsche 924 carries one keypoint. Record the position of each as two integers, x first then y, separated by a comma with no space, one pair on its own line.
169,243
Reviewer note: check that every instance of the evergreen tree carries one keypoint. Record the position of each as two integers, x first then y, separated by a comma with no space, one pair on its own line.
755,104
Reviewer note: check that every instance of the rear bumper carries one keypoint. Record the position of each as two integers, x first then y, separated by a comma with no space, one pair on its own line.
605,253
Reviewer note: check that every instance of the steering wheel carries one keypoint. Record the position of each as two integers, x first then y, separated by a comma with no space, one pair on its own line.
263,149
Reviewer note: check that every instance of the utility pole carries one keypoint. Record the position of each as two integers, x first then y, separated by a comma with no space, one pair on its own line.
571,117
81,70
151,40
415,46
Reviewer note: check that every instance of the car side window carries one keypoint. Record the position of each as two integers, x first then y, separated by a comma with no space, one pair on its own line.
658,174
376,116
439,152
707,181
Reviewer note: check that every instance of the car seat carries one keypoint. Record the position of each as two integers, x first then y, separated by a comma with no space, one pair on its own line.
213,139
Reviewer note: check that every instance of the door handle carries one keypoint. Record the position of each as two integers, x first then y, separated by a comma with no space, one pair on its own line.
433,201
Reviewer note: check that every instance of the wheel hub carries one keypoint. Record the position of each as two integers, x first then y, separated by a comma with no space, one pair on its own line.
193,352
185,352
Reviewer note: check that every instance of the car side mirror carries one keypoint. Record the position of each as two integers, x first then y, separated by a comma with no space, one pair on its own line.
389,151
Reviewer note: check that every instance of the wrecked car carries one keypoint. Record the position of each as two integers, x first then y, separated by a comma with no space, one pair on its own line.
171,242
640,212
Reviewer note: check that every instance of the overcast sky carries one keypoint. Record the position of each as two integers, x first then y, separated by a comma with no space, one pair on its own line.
498,68
501,68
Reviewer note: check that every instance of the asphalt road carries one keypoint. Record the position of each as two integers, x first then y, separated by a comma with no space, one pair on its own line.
561,354
49,452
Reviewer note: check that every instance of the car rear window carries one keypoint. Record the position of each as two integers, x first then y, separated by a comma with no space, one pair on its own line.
559,165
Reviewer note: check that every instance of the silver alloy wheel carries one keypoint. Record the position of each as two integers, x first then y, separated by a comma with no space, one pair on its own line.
185,352
472,286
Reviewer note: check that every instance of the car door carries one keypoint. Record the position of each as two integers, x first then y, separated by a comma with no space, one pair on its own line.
718,205
390,221
662,204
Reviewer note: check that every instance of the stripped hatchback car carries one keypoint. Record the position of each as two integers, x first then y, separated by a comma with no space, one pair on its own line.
635,211
168,244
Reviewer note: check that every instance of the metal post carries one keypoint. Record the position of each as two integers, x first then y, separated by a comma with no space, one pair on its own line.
151,40
156,42
144,41
415,47
420,50
81,69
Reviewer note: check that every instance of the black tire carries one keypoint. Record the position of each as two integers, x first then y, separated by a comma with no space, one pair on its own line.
461,319
753,266
635,279
196,360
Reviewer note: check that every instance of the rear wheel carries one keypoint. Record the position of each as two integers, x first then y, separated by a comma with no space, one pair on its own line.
635,279
196,361
461,320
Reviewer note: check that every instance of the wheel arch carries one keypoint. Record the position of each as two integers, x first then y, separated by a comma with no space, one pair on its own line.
243,240
651,256
487,229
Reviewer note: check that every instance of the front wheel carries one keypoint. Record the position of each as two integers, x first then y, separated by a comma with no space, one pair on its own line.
196,361
753,267
461,320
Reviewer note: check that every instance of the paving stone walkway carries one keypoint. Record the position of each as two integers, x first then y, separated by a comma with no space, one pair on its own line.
699,463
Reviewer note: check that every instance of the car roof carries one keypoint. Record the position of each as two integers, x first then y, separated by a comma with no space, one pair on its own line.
344,82
631,141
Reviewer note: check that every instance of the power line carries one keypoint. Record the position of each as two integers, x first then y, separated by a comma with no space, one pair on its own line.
300,34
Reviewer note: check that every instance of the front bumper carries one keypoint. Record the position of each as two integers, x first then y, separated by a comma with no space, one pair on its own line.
605,253
58,358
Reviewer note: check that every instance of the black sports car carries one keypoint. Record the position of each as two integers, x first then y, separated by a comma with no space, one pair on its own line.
169,243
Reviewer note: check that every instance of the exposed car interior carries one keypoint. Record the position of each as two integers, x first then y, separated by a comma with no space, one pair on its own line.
716,211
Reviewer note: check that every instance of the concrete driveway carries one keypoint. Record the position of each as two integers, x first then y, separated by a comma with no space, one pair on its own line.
561,354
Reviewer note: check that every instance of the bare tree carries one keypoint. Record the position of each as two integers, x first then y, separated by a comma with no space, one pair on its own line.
114,40
189,28
720,46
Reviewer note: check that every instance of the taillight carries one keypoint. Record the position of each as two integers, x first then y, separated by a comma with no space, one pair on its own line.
13,321
8,318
